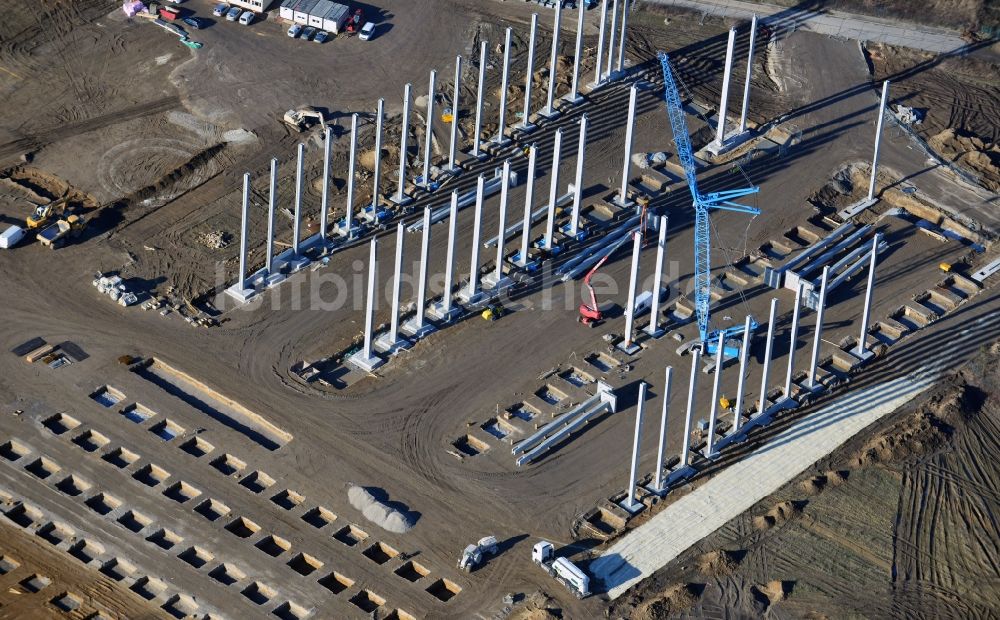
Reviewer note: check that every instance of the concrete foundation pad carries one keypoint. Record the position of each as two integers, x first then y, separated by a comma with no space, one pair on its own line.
550,114
528,266
633,507
400,200
297,264
367,364
438,313
571,100
384,344
475,298
491,282
499,143
654,333
411,329
525,128
731,141
581,232
240,294
627,204
274,278
631,349
351,233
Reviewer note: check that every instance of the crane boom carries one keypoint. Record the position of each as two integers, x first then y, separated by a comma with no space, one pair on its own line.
702,203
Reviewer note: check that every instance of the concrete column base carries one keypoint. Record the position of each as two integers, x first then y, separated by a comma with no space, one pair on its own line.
400,200
354,232
631,349
490,281
385,344
730,142
550,113
415,332
438,313
366,364
472,299
624,204
528,266
679,475
553,249
499,142
524,128
581,232
274,278
631,505
240,294
850,211
571,100
654,333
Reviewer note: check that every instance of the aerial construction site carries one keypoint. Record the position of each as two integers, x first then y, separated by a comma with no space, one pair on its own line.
495,309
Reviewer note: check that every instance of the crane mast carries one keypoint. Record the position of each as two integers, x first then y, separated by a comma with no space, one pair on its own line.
723,200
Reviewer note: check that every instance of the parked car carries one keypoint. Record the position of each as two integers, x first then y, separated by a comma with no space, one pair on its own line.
308,33
177,1
220,9
194,22
247,18
294,30
367,31
322,36
233,14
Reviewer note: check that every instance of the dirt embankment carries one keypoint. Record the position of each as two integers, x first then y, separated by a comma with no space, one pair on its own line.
956,98
898,522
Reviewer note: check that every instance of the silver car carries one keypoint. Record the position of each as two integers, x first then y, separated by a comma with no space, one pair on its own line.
233,14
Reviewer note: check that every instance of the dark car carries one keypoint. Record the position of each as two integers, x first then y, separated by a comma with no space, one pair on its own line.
194,22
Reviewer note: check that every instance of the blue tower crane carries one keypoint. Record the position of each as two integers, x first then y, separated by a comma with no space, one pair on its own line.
723,200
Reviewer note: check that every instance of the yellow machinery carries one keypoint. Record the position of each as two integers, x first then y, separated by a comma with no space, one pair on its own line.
301,118
493,312
447,116
725,403
945,267
44,213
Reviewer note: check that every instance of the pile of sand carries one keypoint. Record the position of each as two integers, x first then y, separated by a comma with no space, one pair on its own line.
776,516
972,152
380,514
816,484
718,563
667,605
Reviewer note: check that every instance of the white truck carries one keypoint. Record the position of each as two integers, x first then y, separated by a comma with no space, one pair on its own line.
567,573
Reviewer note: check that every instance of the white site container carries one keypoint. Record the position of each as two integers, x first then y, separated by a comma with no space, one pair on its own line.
11,237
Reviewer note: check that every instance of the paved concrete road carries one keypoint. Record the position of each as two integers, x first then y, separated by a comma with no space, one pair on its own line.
727,495
834,23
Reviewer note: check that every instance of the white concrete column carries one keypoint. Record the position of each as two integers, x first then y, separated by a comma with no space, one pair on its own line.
653,329
598,73
623,39
449,270
501,235
793,337
714,410
632,284
452,150
325,203
746,83
630,504
417,327
720,130
272,196
476,139
611,37
394,341
370,303
378,158
429,137
550,223
662,445
744,350
767,357
525,122
574,223
818,333
878,138
501,139
529,191
553,58
297,220
401,196
471,293
862,349
244,231
349,213
686,445
630,124
574,95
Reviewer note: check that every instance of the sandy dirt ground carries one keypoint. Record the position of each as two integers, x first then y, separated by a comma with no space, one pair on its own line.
900,522
152,139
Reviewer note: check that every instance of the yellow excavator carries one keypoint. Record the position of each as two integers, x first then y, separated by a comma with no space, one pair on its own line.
301,118
43,214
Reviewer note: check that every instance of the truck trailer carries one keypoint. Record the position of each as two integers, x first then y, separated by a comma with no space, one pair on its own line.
567,573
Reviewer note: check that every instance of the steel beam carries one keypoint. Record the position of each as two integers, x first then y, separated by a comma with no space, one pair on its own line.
417,327
297,219
623,39
653,329
366,358
526,124
574,95
553,58
452,150
862,348
501,139
472,294
581,149
377,173
611,38
630,504
710,450
622,193
325,203
476,138
271,198
686,443
746,83
793,337
349,213
401,197
598,74
429,134
744,350
762,406
548,242
818,334
244,230
529,191
633,282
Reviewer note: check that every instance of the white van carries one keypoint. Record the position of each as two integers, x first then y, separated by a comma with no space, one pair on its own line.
246,18
367,31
